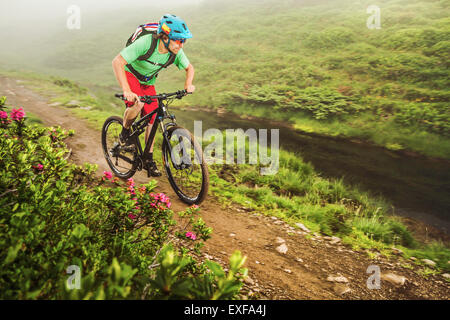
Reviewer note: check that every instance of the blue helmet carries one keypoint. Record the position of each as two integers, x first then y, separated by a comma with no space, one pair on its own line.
174,27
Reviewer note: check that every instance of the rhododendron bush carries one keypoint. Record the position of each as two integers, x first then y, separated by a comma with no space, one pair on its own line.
55,214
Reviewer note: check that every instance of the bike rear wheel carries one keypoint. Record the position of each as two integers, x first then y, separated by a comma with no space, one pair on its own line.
185,166
121,159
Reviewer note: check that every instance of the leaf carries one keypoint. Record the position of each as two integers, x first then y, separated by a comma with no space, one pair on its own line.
231,288
215,268
15,207
12,253
33,295
182,288
236,260
115,269
79,231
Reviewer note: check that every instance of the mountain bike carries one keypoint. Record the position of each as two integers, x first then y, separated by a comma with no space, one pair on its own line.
182,156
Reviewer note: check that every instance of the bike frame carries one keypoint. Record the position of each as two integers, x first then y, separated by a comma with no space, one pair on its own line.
140,126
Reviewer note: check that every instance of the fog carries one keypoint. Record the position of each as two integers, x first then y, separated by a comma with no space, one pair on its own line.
35,14
38,35
30,9
27,25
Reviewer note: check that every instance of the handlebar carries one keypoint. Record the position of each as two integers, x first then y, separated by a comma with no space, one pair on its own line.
164,96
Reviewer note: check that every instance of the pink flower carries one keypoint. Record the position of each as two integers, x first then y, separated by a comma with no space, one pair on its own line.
194,206
130,182
39,167
131,216
131,190
163,198
108,175
17,114
4,118
191,235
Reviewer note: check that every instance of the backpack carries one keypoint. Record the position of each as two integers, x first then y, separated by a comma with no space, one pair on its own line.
142,30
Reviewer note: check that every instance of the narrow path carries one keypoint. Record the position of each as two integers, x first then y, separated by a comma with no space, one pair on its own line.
300,273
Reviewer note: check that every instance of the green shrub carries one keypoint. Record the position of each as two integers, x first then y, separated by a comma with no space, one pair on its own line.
320,102
67,84
172,282
54,214
331,218
385,230
330,38
416,38
436,251
432,117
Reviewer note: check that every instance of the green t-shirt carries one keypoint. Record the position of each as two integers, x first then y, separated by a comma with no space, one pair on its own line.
139,48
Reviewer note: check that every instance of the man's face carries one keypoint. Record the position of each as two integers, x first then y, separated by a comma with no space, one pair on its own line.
175,46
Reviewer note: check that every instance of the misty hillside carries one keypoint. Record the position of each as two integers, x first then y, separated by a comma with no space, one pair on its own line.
312,60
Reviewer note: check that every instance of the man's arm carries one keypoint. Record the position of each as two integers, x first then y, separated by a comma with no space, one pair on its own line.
118,64
189,78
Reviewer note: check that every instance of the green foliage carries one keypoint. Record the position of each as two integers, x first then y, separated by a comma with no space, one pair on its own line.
172,282
54,214
116,284
332,219
320,102
199,229
432,117
388,231
70,85
416,38
435,251
331,38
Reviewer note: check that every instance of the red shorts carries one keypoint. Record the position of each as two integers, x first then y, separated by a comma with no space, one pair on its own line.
142,90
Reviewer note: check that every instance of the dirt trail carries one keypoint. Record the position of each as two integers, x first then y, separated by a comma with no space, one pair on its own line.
300,273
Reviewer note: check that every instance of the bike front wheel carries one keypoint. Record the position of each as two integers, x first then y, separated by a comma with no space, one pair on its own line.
121,159
185,165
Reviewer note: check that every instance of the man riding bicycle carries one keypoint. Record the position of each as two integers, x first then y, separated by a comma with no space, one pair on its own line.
137,76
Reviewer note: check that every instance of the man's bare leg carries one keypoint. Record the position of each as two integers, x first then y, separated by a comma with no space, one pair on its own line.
131,113
128,118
